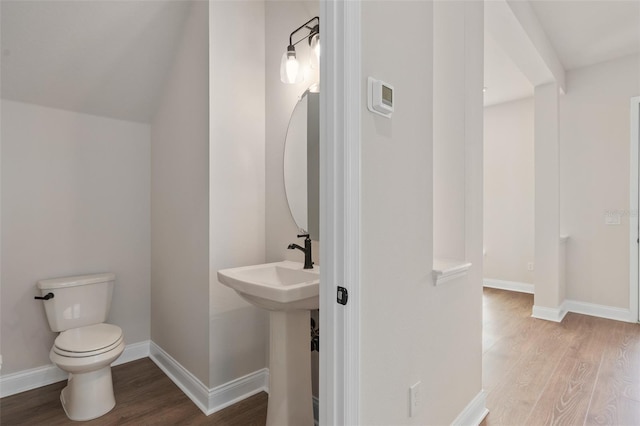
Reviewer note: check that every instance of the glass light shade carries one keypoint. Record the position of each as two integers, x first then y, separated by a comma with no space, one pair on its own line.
315,48
290,69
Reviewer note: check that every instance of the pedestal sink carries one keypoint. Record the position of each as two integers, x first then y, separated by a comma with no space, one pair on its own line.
289,292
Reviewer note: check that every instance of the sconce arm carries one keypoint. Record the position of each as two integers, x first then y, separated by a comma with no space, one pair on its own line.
305,25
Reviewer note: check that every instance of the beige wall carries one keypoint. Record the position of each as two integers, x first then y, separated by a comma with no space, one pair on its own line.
427,333
594,178
180,203
282,17
508,191
75,200
239,332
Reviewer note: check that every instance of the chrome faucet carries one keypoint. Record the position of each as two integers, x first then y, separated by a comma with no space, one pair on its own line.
308,263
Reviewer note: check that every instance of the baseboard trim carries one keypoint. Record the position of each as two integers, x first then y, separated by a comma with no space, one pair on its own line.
133,352
209,400
189,384
557,314
236,390
475,411
549,314
601,311
33,378
508,285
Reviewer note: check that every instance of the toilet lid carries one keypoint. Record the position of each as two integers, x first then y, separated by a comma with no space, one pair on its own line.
88,339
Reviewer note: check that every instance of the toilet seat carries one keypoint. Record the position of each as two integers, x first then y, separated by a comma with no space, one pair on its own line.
88,341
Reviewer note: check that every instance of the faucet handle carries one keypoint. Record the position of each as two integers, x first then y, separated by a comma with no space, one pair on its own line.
303,236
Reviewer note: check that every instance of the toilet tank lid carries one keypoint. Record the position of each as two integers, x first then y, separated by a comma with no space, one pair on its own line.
75,281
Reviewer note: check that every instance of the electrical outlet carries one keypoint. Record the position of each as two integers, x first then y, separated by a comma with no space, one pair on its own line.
414,399
530,266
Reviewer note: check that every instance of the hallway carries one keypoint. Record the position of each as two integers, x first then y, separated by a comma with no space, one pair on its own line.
585,370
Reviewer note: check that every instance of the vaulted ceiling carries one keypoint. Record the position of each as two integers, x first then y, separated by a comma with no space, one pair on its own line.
111,58
107,58
577,32
588,32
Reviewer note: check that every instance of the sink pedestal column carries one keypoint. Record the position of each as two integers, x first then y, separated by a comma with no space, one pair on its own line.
289,369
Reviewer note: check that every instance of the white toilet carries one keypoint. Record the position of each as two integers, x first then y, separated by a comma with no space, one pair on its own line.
86,346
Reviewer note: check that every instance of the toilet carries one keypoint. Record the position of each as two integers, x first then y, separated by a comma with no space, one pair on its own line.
77,307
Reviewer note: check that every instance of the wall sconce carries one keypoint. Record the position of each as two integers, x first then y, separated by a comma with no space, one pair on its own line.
290,71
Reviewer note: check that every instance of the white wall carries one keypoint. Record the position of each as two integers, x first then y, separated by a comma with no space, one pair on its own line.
282,17
411,330
594,178
75,200
549,288
448,131
180,203
239,332
508,191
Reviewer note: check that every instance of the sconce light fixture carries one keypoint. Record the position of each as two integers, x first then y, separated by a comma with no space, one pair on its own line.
290,71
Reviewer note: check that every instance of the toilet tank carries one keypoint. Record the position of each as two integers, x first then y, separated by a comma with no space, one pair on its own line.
77,301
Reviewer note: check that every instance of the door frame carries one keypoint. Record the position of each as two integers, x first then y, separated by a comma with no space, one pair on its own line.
340,109
634,211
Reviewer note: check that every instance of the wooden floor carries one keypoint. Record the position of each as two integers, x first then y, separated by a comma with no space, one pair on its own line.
583,371
144,396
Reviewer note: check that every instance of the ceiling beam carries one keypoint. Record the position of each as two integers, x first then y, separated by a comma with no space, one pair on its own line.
515,27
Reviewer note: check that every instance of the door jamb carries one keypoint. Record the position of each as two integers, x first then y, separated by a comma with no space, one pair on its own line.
634,220
340,109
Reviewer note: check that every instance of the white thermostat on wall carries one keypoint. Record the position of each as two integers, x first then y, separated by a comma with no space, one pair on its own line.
380,97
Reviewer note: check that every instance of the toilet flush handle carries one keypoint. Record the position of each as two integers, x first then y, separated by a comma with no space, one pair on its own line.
45,297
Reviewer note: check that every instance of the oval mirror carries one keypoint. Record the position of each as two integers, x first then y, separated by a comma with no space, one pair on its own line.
302,164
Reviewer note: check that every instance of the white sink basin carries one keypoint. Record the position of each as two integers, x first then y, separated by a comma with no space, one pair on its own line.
289,292
279,286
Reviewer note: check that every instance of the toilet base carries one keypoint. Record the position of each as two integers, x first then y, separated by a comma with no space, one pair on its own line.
88,396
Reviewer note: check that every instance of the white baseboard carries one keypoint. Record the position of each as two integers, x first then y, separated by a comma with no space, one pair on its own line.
602,311
584,308
209,400
474,412
549,314
25,380
133,352
508,285
557,314
238,389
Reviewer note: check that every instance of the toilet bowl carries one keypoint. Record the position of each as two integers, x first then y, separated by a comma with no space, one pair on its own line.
86,346
86,353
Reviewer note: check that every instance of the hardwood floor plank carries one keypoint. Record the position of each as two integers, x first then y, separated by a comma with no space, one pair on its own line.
614,400
144,396
585,370
565,399
513,335
591,366
519,391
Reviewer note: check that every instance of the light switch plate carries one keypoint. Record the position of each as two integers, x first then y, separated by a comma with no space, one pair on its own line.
612,219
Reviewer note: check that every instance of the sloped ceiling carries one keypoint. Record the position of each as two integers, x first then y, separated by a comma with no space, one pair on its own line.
582,33
588,32
110,58
503,80
107,58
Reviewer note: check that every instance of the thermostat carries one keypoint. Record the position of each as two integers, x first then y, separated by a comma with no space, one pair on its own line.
380,97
